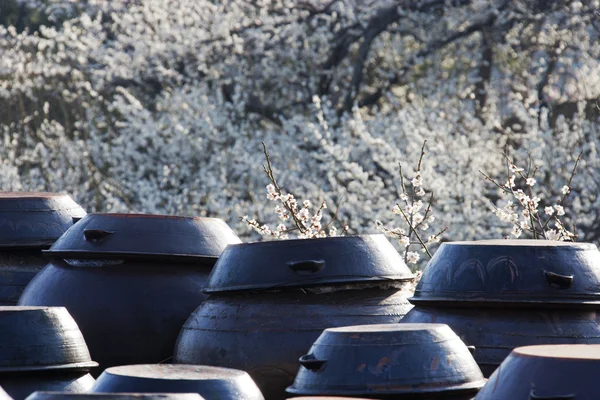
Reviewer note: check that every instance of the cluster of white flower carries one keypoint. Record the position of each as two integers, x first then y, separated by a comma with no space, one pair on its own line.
308,226
529,218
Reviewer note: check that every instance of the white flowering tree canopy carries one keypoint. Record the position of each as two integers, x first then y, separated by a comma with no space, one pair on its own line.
161,106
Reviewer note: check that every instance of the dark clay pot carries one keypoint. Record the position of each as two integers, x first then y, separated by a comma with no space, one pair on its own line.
129,304
416,361
22,384
564,372
501,294
270,301
113,396
29,222
41,348
212,383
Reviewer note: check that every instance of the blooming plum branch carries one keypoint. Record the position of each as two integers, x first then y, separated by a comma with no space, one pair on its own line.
525,215
410,212
306,223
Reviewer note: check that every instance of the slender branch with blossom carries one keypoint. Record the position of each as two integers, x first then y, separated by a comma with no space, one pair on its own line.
410,212
307,224
524,215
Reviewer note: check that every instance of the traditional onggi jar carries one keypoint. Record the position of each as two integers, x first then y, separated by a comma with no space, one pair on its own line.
29,223
210,382
416,361
501,294
546,372
130,280
41,348
269,301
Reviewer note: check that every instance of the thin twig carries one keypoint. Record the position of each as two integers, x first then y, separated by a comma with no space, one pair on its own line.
416,233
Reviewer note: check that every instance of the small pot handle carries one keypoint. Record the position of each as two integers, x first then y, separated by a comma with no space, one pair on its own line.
95,235
562,281
309,362
533,396
471,349
306,266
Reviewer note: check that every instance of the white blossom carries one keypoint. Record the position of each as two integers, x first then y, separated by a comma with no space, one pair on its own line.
552,234
412,257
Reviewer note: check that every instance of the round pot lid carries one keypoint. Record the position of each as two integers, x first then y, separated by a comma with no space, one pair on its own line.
30,219
209,382
41,338
112,396
102,236
560,372
307,262
497,272
387,360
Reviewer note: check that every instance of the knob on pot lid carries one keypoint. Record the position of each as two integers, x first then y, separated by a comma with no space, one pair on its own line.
145,236
209,382
388,360
29,219
307,262
112,396
41,338
522,272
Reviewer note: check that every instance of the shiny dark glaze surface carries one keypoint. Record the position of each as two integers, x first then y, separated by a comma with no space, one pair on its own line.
386,360
29,222
306,263
568,372
497,273
209,382
40,338
129,313
264,333
35,219
496,332
145,236
20,385
17,269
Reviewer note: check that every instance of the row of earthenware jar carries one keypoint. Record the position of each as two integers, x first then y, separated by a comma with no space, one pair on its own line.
138,286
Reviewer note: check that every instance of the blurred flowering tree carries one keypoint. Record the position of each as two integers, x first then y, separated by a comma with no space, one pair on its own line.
161,105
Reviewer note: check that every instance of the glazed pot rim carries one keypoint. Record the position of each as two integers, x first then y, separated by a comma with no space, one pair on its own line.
80,366
453,389
39,244
340,279
497,302
29,195
129,255
521,243
560,352
156,216
269,243
32,196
